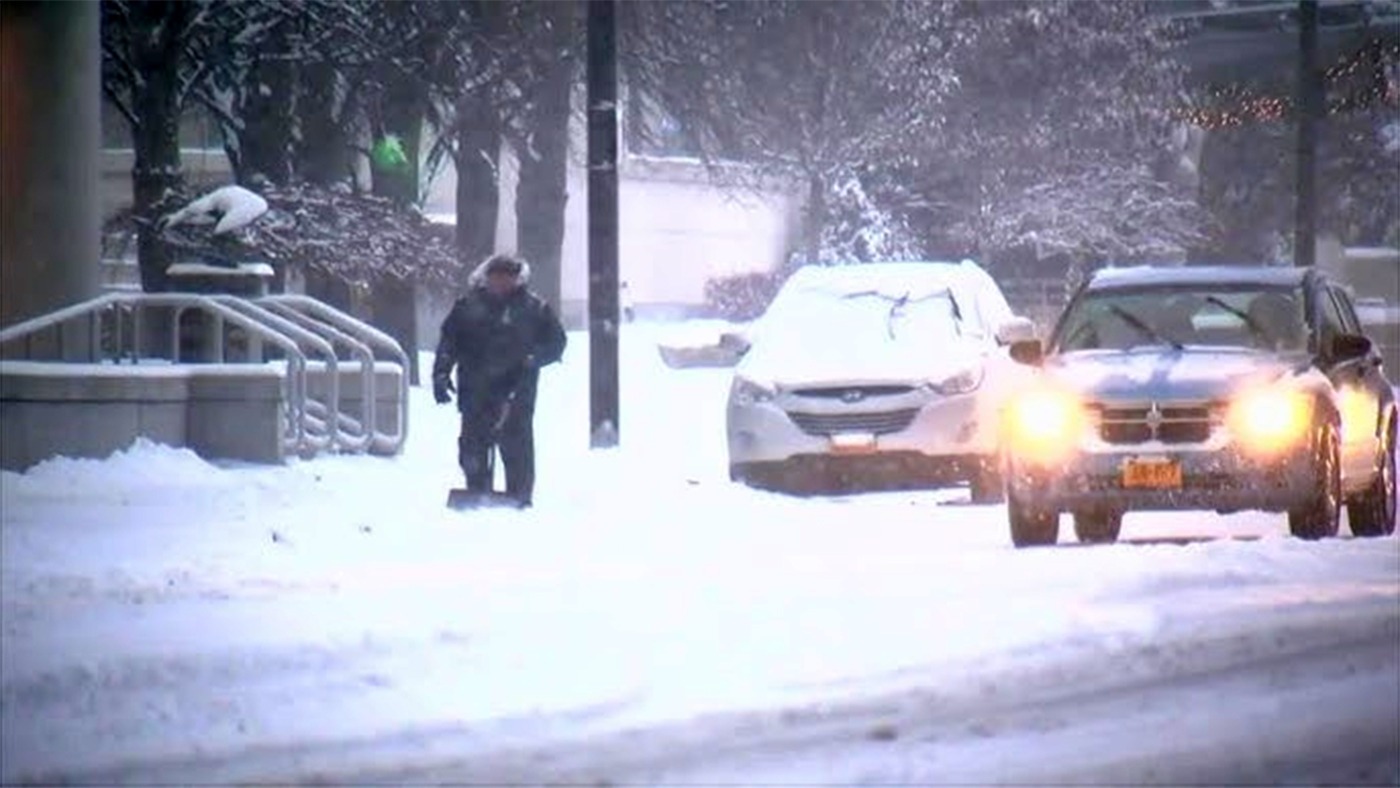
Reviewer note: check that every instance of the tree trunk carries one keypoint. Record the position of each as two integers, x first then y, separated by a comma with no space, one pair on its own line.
395,312
816,217
542,193
268,114
323,157
392,300
156,174
402,116
478,186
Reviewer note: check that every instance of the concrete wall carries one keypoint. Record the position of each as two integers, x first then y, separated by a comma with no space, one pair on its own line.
91,410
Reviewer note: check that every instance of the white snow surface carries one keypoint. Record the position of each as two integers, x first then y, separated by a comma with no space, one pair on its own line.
159,609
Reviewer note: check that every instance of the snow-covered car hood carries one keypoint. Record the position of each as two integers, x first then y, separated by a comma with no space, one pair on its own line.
1162,374
781,366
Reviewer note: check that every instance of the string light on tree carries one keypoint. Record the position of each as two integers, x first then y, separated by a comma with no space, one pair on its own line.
1374,66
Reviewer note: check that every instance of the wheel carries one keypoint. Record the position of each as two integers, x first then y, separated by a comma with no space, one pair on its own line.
1031,526
1318,518
986,484
1097,526
1373,512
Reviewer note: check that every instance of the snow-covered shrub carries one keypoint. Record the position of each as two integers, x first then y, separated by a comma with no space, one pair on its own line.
742,297
858,230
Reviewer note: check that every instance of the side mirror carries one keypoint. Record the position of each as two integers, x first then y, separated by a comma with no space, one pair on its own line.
1016,329
1028,351
1348,347
722,351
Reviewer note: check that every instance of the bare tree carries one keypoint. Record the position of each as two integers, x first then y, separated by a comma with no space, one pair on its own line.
543,142
153,60
814,90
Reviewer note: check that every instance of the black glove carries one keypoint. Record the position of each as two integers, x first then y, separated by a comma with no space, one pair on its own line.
443,389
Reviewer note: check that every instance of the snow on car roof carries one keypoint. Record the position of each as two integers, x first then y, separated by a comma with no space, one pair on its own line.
1134,276
894,279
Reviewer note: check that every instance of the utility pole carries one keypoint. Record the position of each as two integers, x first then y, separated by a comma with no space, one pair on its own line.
602,224
1309,103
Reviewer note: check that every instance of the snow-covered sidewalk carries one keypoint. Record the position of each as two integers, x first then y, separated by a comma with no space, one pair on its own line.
159,609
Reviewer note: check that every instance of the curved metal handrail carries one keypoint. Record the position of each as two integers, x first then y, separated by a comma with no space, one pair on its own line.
389,442
299,325
300,438
295,436
301,336
362,352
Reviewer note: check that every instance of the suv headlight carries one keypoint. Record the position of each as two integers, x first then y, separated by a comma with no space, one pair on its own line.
961,383
1044,424
747,392
1270,419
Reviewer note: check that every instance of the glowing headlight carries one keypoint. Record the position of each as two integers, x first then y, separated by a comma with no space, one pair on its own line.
1045,424
746,392
1268,420
1359,411
963,382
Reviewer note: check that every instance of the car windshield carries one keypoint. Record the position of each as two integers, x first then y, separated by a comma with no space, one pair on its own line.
1264,318
816,318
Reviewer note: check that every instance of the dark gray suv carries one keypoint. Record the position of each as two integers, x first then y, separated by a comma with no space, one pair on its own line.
1224,388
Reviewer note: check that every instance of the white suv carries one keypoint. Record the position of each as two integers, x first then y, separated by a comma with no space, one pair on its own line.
876,376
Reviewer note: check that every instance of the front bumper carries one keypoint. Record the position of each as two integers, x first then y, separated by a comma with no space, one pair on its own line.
1223,479
907,426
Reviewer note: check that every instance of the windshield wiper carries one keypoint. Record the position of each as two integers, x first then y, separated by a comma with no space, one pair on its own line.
1142,326
1249,322
897,305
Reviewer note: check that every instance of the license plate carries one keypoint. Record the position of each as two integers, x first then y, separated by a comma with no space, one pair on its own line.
1152,474
853,443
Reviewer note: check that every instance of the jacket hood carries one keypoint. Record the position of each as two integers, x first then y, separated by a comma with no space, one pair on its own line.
477,278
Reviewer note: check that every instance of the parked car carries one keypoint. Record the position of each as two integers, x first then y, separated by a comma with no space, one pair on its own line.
875,376
1225,388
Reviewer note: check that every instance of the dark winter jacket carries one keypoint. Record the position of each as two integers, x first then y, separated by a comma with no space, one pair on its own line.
495,343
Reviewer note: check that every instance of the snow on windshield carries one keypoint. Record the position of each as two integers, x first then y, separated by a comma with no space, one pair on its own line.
1265,318
863,318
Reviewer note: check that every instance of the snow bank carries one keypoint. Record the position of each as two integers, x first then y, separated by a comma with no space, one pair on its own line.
160,609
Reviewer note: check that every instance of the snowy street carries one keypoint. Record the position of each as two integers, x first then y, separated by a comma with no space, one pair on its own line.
170,620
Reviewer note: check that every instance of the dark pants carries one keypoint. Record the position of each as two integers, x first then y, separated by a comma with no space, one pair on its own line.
483,432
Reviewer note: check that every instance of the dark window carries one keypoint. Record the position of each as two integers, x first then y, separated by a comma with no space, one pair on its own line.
1350,321
1331,318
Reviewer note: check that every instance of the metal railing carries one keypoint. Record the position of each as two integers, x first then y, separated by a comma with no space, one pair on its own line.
377,344
296,328
316,435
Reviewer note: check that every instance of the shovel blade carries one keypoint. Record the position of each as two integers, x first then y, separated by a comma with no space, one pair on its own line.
461,499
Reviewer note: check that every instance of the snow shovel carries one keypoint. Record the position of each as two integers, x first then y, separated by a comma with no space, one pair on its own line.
460,498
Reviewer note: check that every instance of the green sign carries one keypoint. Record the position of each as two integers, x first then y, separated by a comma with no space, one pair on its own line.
387,153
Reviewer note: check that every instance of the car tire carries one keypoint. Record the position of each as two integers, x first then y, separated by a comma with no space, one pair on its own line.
987,484
1373,512
1097,526
1320,516
1031,526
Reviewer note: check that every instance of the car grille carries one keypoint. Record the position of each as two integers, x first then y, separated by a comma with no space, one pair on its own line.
852,393
1168,424
878,423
